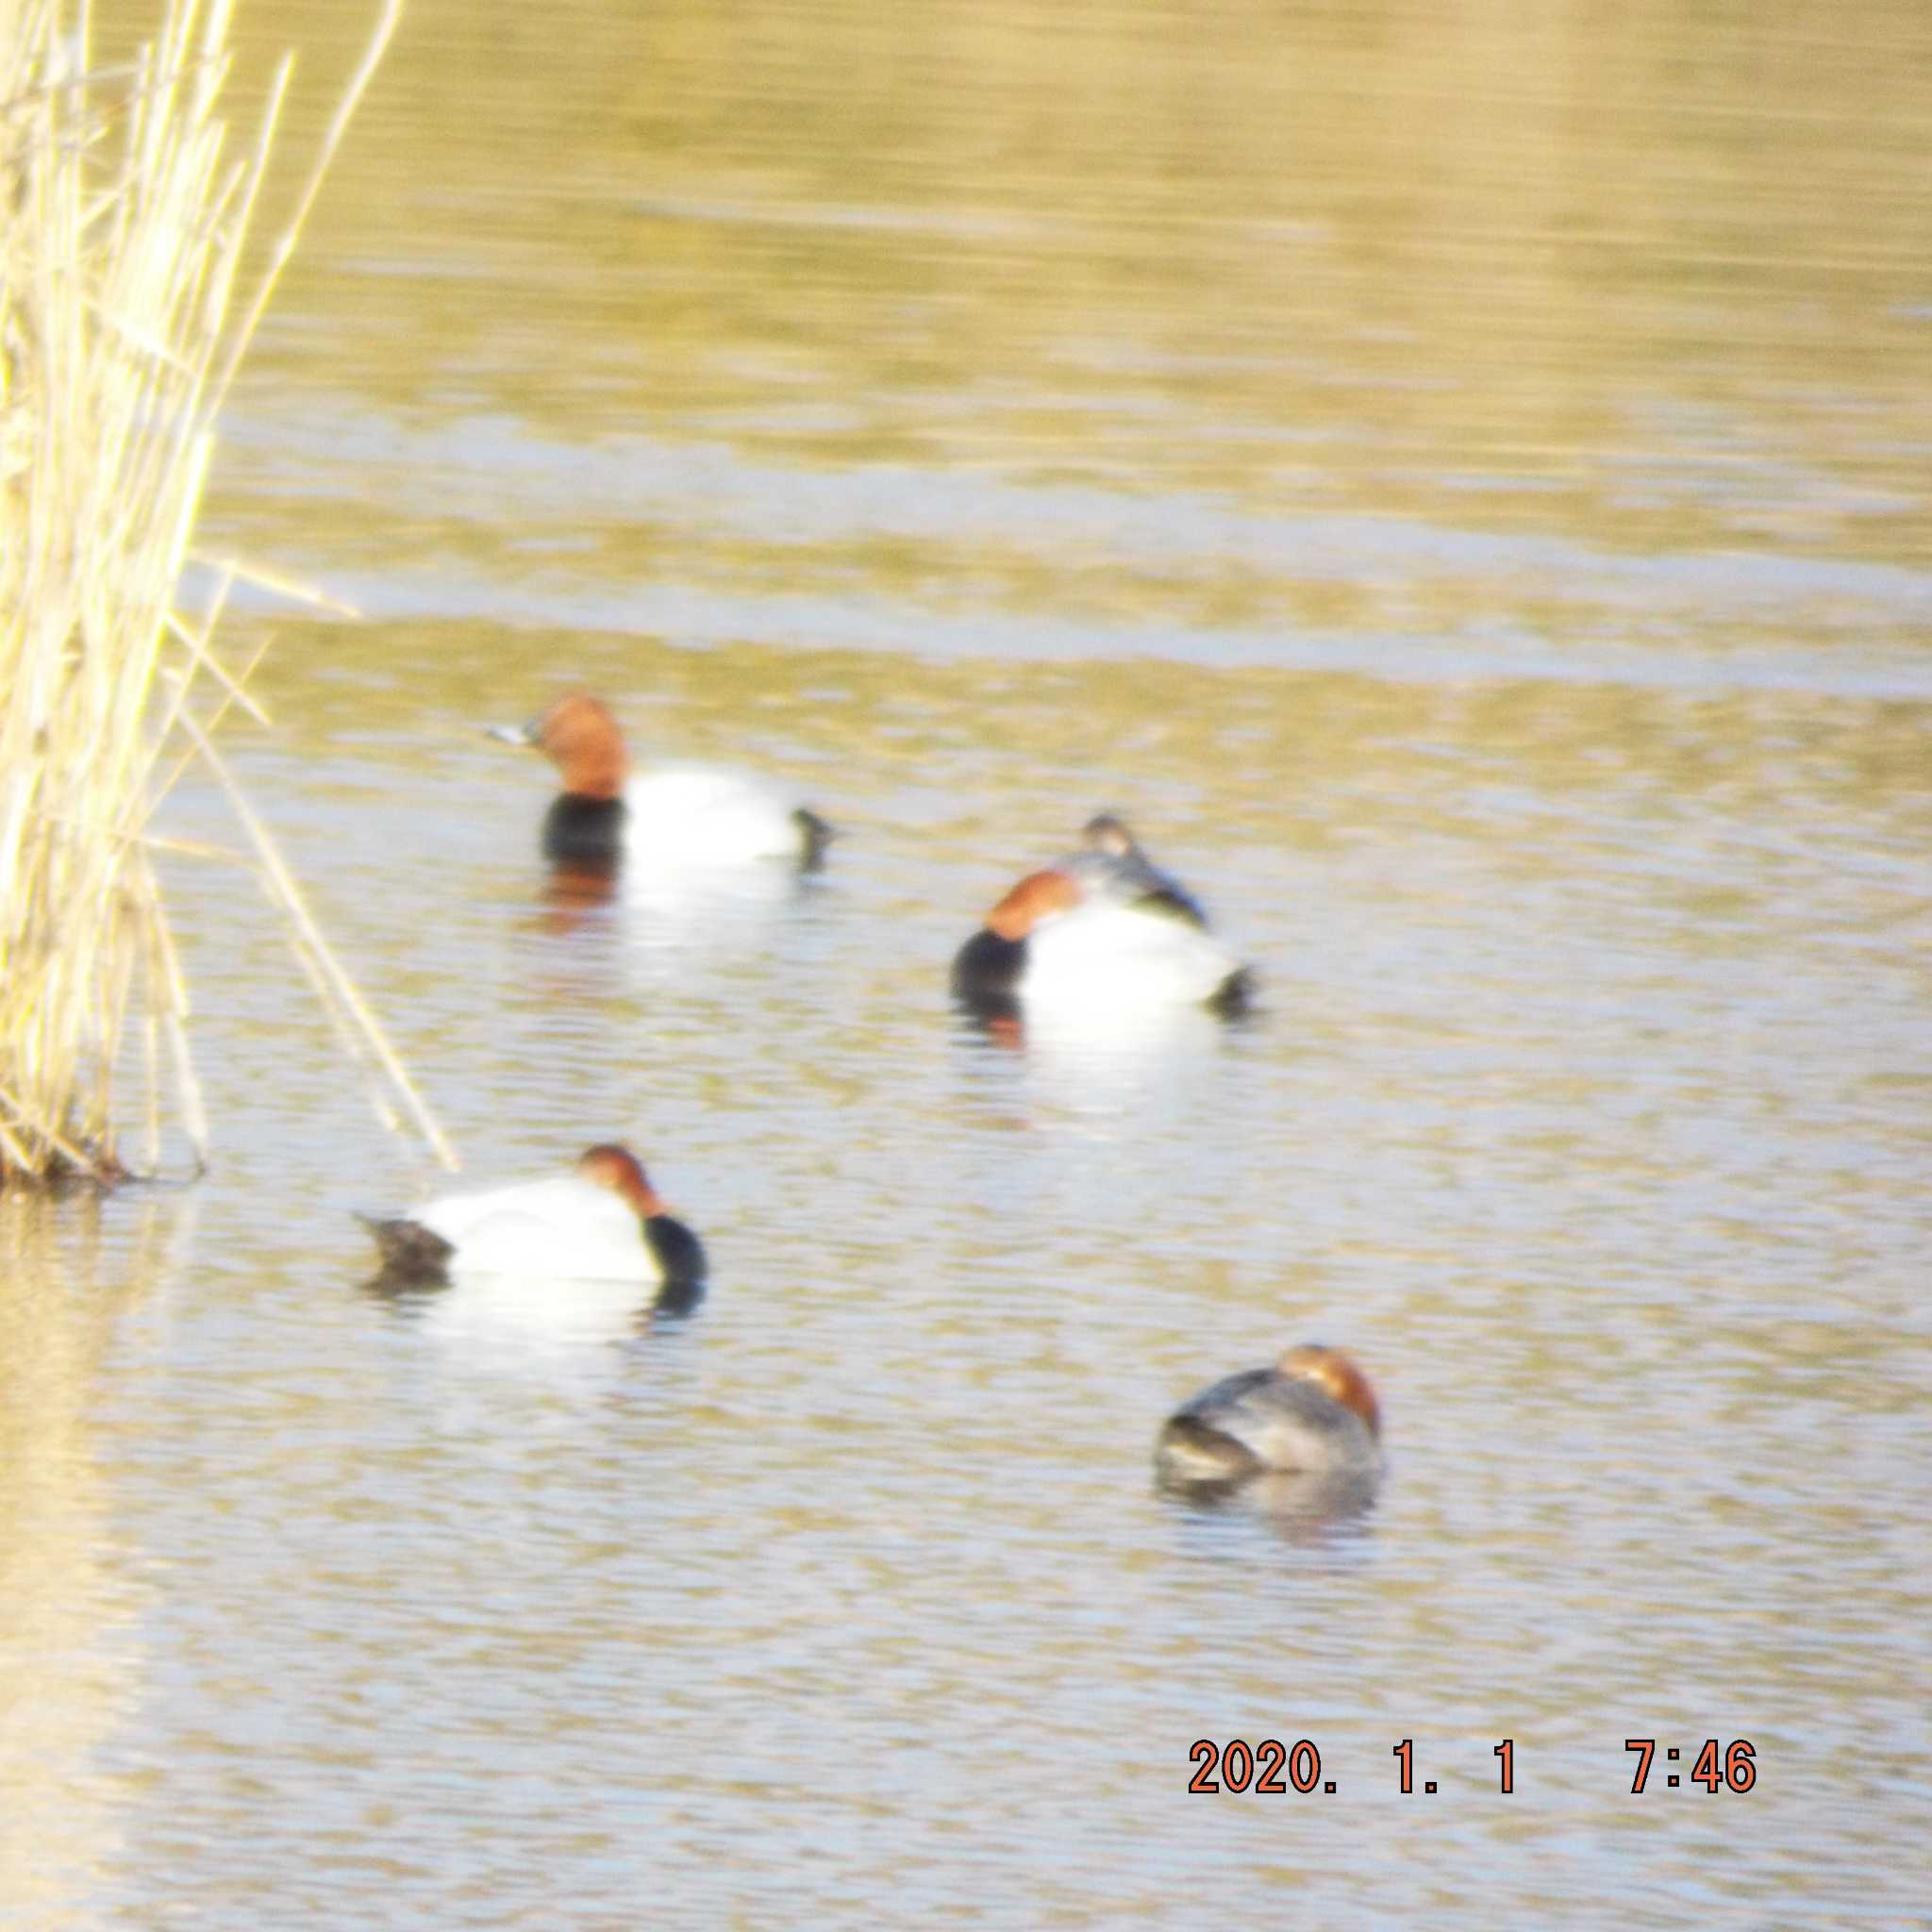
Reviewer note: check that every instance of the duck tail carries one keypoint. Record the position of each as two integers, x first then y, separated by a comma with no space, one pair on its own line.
409,1250
1234,998
814,834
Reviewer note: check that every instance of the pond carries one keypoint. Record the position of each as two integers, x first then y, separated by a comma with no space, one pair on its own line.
1458,485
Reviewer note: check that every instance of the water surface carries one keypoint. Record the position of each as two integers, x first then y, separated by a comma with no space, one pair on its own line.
1460,486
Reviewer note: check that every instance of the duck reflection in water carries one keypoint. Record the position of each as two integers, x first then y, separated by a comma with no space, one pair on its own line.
528,1305
576,888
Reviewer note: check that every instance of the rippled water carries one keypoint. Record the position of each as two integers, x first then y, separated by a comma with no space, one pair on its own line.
1461,486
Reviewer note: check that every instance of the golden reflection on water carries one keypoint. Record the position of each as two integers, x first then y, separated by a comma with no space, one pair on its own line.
1457,482
67,1681
1649,284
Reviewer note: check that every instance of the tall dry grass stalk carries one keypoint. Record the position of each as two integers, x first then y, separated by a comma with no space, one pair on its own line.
123,214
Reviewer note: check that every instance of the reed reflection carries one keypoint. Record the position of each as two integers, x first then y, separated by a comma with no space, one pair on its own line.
70,1268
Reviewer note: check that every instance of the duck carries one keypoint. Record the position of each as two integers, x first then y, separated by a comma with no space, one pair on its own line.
675,815
1074,937
1312,1414
1118,865
601,1222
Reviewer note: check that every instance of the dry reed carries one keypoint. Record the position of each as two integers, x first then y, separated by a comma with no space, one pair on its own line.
123,221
